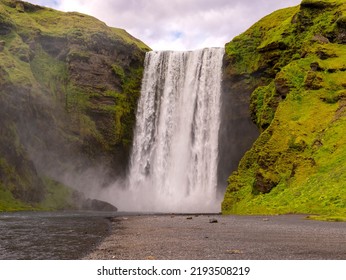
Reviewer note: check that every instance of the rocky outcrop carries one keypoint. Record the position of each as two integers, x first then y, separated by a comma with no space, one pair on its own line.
69,86
293,61
237,131
98,205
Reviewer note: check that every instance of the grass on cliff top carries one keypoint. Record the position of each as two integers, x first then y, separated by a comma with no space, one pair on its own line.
243,49
323,3
50,21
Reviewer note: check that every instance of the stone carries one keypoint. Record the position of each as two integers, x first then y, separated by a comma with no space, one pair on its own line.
263,184
213,221
282,87
320,39
98,205
234,252
315,66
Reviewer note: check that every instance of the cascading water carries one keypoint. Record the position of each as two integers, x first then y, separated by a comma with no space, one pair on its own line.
175,150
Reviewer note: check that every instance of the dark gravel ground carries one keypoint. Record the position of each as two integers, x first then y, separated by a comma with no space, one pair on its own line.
193,237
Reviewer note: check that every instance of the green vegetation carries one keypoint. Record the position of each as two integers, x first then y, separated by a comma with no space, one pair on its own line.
297,64
69,86
9,203
58,197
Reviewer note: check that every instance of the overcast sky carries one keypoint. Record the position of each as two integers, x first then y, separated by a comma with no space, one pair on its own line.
176,24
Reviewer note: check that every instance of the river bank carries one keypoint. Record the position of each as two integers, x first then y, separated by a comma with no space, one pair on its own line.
221,237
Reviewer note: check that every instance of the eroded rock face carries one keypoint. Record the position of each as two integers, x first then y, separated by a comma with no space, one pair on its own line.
293,61
68,89
237,131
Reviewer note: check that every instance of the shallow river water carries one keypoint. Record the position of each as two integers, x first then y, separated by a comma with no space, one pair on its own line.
51,235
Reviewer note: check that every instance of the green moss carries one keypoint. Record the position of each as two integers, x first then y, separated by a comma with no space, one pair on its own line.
9,204
14,60
130,39
252,50
263,104
62,72
321,3
53,22
119,71
326,218
50,73
297,163
58,196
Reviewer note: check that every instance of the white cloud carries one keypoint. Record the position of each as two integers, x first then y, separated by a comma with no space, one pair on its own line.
176,24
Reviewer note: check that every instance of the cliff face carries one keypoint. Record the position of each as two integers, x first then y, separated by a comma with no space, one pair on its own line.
68,92
293,61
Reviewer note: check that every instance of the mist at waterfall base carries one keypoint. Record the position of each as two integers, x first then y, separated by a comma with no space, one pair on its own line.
175,149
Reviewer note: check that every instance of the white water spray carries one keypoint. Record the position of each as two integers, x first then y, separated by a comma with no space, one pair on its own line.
175,150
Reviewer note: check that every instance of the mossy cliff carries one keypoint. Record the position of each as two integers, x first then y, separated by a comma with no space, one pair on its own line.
293,62
69,86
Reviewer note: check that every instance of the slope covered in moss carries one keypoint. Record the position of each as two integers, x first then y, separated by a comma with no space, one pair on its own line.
294,63
69,86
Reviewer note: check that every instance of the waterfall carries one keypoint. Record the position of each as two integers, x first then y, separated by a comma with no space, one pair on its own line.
175,149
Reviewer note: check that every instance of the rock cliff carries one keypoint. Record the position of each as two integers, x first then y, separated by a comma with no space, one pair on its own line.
293,62
69,86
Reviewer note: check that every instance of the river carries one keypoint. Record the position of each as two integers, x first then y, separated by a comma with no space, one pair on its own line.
51,235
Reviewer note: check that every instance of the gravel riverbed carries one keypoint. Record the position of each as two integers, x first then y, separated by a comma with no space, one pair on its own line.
212,237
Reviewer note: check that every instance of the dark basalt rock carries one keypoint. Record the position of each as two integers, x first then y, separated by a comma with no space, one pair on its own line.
282,87
317,4
262,184
98,205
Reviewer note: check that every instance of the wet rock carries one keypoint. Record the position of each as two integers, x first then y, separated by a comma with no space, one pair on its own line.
98,205
213,221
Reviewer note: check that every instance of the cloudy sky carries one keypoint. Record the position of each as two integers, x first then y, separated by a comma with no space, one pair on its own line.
176,24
